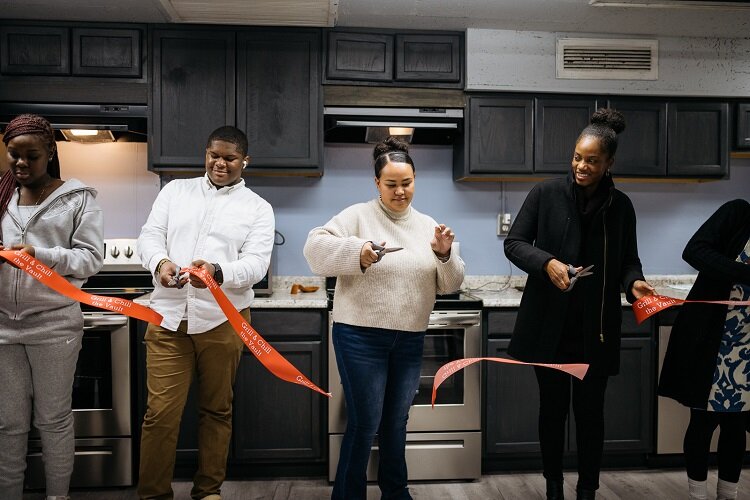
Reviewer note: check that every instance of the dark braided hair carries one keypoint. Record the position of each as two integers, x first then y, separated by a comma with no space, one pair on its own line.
392,149
605,124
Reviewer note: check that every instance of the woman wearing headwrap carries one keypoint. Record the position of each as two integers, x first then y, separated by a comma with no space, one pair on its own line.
60,224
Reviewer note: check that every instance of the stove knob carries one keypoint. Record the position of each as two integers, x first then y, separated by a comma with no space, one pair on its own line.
114,252
128,252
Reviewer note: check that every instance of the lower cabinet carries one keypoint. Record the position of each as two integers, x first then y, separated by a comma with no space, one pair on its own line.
512,399
278,427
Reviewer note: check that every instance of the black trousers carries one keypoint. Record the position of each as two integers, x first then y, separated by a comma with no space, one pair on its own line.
730,449
555,389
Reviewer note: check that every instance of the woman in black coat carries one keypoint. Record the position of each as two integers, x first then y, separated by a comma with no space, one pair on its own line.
564,225
707,361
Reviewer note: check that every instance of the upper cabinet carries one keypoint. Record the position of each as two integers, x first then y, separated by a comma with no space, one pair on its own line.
275,100
743,125
679,139
278,99
73,62
414,59
193,94
558,123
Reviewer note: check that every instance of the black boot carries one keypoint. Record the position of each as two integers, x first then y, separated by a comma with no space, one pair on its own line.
583,494
554,489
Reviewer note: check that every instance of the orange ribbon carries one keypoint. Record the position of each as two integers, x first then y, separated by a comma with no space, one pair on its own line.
50,278
266,354
578,370
647,306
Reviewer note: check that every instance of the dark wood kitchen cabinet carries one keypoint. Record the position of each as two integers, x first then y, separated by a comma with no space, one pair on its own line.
278,99
499,136
743,125
642,146
271,90
559,121
389,58
67,62
193,93
276,421
278,428
698,139
511,406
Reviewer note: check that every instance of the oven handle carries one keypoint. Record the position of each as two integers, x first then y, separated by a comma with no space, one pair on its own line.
92,322
453,320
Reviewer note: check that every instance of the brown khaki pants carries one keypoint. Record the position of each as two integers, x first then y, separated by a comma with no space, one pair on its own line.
171,360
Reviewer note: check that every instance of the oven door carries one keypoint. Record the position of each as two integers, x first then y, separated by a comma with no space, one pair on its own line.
101,408
451,335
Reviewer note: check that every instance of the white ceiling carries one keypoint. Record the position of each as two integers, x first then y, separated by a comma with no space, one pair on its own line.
525,15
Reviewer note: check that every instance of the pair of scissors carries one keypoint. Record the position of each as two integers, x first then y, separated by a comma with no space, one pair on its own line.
381,250
176,280
586,271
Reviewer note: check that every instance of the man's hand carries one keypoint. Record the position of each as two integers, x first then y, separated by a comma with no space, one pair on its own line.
202,264
169,276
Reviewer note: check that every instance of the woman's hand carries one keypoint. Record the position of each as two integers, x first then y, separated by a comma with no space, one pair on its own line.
367,255
442,241
24,248
201,264
558,273
641,289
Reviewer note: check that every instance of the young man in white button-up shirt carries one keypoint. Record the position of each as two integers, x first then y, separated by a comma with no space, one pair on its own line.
217,223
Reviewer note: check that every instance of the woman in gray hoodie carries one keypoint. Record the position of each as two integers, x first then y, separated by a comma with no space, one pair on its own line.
60,224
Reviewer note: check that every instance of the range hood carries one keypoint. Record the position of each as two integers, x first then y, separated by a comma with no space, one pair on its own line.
427,125
114,122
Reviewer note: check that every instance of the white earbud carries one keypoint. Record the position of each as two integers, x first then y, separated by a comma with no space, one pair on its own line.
244,164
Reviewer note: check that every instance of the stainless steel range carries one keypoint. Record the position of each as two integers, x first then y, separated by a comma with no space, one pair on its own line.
441,443
102,394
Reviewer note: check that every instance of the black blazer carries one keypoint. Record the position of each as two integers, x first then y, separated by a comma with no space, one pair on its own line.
690,360
549,226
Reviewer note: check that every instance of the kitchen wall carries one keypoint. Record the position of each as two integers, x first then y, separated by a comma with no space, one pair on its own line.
668,214
525,61
119,173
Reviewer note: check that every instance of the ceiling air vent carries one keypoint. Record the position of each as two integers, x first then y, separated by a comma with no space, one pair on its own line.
607,59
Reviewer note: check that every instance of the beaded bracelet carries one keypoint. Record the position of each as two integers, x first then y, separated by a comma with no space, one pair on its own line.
158,266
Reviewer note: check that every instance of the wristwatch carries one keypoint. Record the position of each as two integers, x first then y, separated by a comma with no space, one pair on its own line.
218,273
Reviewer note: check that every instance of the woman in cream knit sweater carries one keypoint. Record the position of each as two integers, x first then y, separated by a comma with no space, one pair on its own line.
380,315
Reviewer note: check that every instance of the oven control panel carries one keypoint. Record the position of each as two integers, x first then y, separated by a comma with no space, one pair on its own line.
120,254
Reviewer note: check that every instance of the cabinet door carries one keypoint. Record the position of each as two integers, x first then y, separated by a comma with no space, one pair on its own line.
107,52
360,56
512,409
642,146
558,123
500,135
278,99
275,420
428,58
628,405
743,125
698,141
193,94
34,50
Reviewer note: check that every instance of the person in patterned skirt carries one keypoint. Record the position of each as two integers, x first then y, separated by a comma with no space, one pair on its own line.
707,363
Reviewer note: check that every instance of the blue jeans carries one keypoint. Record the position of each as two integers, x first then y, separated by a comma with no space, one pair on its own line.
379,370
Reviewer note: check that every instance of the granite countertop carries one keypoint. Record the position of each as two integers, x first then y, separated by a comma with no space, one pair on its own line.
506,291
282,296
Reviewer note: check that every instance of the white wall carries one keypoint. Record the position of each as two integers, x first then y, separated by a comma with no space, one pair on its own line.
524,61
119,173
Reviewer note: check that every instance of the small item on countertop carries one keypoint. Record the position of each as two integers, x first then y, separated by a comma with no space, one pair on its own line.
296,288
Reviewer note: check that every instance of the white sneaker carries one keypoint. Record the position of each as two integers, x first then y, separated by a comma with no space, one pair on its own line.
212,497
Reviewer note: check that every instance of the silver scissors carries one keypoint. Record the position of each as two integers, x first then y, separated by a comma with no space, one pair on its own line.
586,271
176,280
381,250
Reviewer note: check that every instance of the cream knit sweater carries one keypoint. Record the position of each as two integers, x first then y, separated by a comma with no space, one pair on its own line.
396,293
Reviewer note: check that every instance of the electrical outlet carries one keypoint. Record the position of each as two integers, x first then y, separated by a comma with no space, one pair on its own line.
503,224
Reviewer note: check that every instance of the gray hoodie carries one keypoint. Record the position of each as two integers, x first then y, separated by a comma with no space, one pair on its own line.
66,232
